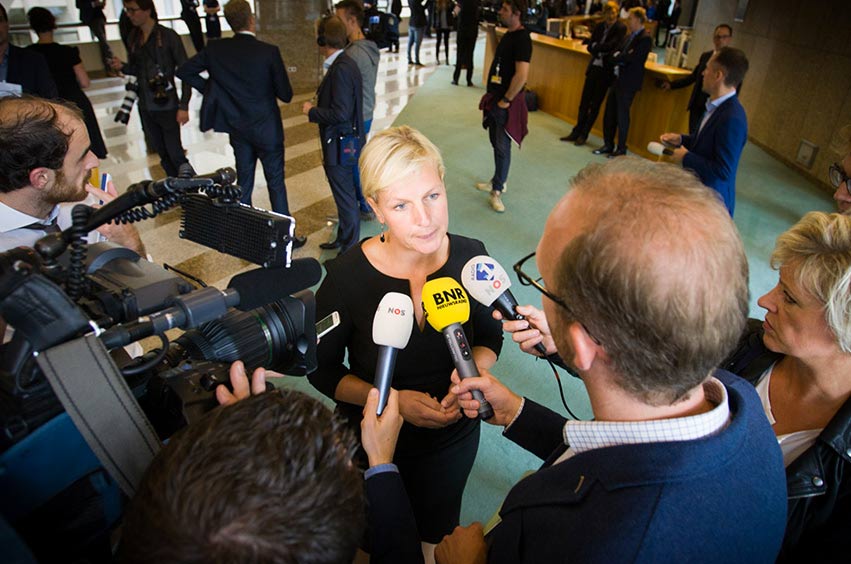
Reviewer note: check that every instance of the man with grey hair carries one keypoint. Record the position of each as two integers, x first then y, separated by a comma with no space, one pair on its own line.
644,279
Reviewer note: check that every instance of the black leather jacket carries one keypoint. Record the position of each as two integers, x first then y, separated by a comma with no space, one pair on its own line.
818,527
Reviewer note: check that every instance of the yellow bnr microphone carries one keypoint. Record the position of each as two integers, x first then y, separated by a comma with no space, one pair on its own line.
446,307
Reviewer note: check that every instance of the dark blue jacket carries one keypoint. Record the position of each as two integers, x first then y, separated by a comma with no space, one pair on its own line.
29,69
717,499
339,106
630,60
247,77
715,151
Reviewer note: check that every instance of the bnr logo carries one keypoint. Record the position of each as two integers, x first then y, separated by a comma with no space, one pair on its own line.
396,311
454,295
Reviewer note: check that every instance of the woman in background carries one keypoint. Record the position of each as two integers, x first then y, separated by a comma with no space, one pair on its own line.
443,16
799,359
67,71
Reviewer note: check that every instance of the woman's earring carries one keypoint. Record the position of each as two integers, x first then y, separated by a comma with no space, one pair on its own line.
382,238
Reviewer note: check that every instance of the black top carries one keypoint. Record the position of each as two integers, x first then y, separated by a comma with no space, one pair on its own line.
163,52
515,46
61,60
468,18
354,287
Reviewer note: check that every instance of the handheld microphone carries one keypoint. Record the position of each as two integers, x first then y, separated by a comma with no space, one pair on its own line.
391,329
447,307
488,283
656,148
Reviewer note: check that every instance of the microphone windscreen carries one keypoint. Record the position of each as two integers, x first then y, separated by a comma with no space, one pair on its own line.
393,321
445,303
656,148
484,279
262,286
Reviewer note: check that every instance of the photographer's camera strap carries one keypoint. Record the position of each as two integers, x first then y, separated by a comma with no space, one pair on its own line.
102,406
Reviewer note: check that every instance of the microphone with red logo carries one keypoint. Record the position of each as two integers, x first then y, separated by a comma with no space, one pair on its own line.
447,307
391,329
488,283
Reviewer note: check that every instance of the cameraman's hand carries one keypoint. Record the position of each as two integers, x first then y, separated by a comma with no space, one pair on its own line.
504,402
239,381
125,235
531,331
379,434
182,117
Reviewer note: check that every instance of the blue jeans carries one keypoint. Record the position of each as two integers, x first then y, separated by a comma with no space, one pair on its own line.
501,143
415,37
364,207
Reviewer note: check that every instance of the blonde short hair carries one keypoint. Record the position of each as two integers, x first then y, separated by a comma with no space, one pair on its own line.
818,249
639,13
611,7
393,154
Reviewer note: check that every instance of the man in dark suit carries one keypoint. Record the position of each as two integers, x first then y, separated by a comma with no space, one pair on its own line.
713,152
675,446
629,75
22,68
339,113
247,77
605,39
722,37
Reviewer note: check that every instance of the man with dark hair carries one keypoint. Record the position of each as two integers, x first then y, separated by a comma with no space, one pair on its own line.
246,79
45,162
721,37
605,39
339,113
22,70
504,104
155,53
268,479
629,62
365,54
644,282
714,150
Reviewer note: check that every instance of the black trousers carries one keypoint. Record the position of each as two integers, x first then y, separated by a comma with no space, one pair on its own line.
163,131
597,83
272,159
189,15
617,116
464,57
442,35
98,28
343,189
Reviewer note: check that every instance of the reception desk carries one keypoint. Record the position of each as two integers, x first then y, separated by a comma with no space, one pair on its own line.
557,75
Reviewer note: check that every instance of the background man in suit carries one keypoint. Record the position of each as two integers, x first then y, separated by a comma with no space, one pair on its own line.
697,102
713,152
467,22
629,75
339,113
247,77
605,39
675,444
22,67
91,14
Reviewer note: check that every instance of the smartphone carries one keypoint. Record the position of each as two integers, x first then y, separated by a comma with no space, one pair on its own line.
326,324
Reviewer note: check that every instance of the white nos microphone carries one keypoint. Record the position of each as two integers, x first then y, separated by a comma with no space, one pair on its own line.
488,283
656,148
391,329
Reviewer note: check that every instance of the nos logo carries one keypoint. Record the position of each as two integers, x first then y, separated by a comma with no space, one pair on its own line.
396,311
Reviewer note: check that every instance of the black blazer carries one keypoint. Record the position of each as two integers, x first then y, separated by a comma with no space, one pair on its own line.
29,69
630,60
597,46
247,77
697,102
339,106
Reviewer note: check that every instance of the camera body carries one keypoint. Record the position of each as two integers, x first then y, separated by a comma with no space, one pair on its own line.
160,87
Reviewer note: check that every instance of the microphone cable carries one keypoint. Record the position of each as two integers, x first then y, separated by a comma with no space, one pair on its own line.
561,387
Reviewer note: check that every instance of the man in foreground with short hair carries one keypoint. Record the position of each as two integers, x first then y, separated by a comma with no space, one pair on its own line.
713,152
645,286
246,79
45,164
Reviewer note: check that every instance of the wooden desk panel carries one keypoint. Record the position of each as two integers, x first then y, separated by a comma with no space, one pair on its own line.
557,75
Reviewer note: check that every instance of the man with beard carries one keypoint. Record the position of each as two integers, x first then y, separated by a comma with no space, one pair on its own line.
45,163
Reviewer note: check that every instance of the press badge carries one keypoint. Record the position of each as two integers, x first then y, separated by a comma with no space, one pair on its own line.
495,78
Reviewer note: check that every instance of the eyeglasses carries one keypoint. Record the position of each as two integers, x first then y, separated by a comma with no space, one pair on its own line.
837,176
131,11
723,36
528,279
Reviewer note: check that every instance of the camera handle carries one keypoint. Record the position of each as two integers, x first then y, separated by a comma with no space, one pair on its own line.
102,407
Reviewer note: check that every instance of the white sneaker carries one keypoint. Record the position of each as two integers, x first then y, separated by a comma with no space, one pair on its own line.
488,186
496,201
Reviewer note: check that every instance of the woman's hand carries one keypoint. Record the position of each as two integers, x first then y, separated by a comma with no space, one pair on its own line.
422,410
531,331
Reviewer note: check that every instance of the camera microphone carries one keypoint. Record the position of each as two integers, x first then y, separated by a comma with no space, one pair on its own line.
391,329
261,286
488,283
447,307
656,148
